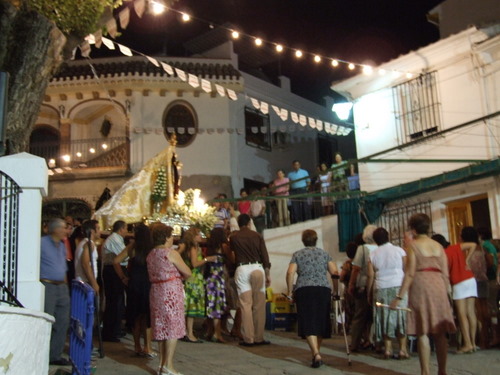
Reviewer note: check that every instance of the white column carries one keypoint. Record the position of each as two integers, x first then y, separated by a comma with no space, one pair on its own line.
31,174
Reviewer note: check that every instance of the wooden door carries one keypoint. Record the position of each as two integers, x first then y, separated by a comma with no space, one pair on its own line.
459,215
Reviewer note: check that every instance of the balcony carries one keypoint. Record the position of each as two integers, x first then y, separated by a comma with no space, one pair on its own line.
85,157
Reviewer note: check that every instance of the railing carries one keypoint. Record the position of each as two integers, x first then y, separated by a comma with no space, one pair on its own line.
9,234
395,217
84,153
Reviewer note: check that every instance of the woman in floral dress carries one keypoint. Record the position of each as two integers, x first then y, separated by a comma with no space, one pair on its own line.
216,282
194,286
166,298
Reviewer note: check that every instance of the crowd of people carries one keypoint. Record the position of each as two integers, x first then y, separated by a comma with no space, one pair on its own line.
160,288
430,290
289,198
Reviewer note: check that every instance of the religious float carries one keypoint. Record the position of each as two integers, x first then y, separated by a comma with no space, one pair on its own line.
153,194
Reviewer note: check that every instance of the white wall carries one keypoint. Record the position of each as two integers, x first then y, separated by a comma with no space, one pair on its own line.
282,242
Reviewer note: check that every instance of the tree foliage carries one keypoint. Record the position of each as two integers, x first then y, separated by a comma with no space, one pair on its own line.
77,18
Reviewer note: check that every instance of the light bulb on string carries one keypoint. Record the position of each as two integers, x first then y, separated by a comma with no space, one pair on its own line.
317,59
258,42
367,69
186,17
279,48
351,66
409,75
157,7
298,53
335,63
235,34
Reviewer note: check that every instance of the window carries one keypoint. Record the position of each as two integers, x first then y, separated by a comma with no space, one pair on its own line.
180,118
257,130
417,108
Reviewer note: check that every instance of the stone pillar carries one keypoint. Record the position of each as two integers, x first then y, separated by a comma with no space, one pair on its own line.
65,133
31,174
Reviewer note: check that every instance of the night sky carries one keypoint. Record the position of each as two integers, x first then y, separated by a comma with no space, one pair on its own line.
360,31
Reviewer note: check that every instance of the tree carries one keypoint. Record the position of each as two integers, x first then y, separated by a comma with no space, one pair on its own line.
36,36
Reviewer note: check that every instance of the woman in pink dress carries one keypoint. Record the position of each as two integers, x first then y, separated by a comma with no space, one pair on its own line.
426,280
281,189
166,270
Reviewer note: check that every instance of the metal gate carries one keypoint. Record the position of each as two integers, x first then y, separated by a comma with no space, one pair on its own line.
395,217
9,234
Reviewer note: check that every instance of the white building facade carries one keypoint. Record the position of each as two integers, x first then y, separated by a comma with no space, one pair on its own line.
433,111
107,119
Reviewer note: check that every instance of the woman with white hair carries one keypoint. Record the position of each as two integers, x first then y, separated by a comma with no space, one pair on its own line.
362,319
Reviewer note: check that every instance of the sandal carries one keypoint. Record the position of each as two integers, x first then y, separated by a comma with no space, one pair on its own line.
404,355
316,362
388,355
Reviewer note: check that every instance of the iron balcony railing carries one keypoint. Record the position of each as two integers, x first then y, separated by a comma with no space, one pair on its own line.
84,153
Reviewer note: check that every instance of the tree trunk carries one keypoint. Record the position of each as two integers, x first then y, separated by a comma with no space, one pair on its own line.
30,51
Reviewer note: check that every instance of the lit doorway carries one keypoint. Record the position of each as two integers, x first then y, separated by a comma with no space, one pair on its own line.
473,211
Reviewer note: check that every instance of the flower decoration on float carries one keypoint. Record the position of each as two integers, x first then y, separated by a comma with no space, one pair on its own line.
190,210
159,193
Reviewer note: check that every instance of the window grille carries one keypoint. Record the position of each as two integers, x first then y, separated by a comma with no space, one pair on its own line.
417,108
395,217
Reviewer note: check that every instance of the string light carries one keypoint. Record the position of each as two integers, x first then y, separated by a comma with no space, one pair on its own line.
157,8
367,69
104,146
66,158
92,150
78,154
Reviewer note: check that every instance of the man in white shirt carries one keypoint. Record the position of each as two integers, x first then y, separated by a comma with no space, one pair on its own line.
114,287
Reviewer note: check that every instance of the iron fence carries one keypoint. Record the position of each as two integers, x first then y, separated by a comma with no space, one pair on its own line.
395,217
9,234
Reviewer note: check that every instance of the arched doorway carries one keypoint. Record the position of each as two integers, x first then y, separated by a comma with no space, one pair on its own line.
45,141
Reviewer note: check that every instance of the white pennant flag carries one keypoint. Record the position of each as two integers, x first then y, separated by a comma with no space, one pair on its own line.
98,38
334,128
295,117
312,122
255,103
276,109
220,90
125,50
302,120
112,27
181,74
284,114
85,48
140,7
193,80
232,94
153,61
264,108
167,68
327,127
319,125
108,43
124,17
206,85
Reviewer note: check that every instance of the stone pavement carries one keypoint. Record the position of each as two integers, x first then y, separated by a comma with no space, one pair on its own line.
287,355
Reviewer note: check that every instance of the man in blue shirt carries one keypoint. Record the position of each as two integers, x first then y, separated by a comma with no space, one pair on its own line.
299,184
53,276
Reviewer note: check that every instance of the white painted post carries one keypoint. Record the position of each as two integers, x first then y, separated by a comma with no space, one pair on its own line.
31,174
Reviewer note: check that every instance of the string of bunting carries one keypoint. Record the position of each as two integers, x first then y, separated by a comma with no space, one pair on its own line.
206,85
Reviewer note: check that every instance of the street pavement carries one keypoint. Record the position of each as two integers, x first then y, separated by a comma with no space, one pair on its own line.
287,355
